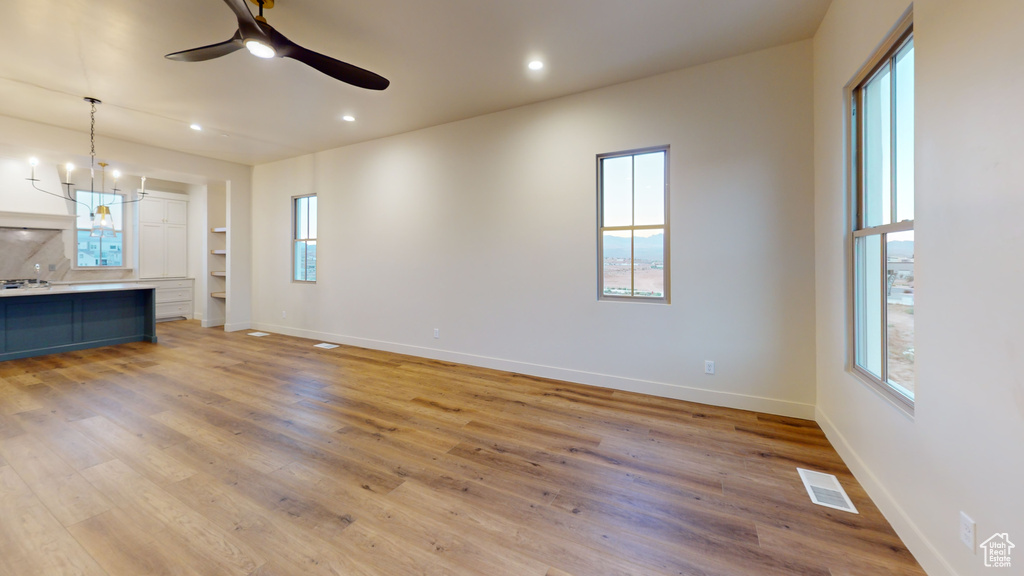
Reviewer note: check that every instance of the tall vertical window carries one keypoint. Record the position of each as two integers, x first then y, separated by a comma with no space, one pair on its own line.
304,239
633,225
99,251
882,115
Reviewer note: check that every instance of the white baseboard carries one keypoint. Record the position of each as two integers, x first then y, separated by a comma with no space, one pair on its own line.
236,326
666,390
211,322
927,555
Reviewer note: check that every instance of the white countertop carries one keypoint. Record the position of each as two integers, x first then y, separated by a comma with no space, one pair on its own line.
76,288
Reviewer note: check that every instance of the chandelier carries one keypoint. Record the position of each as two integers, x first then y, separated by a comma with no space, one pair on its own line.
99,210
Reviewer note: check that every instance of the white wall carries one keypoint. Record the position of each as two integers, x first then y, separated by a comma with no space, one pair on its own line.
485,229
21,139
964,448
18,195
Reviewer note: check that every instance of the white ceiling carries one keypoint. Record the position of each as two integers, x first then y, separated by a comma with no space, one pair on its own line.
446,59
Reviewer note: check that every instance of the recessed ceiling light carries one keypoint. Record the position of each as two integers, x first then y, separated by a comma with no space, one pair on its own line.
348,118
196,127
535,65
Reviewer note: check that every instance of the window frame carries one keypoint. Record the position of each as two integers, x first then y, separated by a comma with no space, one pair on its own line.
296,239
601,229
899,37
124,232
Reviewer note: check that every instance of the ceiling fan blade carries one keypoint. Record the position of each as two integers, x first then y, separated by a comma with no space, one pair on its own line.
209,52
247,24
339,70
336,69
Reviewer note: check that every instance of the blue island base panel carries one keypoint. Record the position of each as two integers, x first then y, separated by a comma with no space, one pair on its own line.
52,322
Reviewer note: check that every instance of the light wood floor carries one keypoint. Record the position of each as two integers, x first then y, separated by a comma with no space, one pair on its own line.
221,453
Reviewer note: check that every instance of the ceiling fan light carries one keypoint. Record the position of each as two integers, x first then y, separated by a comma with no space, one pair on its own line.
260,49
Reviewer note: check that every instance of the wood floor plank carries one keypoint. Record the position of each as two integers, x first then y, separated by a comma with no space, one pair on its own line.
327,520
882,559
9,425
260,458
32,541
66,494
71,445
426,536
288,545
215,453
129,448
479,523
113,540
13,398
181,530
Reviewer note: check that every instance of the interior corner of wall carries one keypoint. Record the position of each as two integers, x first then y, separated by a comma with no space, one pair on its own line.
926,554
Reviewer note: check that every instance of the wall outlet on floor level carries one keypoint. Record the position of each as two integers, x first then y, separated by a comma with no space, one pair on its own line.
437,332
709,366
968,531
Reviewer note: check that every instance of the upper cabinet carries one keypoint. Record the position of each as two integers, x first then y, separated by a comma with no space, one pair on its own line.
164,210
163,240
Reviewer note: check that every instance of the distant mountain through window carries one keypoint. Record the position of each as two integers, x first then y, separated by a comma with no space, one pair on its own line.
650,248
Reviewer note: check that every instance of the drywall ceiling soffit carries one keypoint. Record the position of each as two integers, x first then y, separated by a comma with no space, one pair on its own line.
447,60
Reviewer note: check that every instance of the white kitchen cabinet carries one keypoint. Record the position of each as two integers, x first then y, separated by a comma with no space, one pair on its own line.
173,298
163,236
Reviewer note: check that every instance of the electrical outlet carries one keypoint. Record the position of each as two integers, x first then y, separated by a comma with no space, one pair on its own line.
968,532
437,332
284,314
53,267
709,367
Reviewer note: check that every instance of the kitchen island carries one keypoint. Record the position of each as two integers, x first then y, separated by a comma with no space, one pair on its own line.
62,318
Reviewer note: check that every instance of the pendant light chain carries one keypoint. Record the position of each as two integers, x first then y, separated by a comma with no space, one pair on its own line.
92,132
92,146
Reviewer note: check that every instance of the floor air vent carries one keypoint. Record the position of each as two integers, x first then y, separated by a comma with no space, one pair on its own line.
825,490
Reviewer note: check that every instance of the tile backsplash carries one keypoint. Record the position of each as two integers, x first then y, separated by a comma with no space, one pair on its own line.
22,248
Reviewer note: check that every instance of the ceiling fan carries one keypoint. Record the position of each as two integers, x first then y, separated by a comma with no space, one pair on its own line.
264,41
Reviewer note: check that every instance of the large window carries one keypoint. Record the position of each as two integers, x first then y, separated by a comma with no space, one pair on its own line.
94,250
882,117
633,225
304,239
